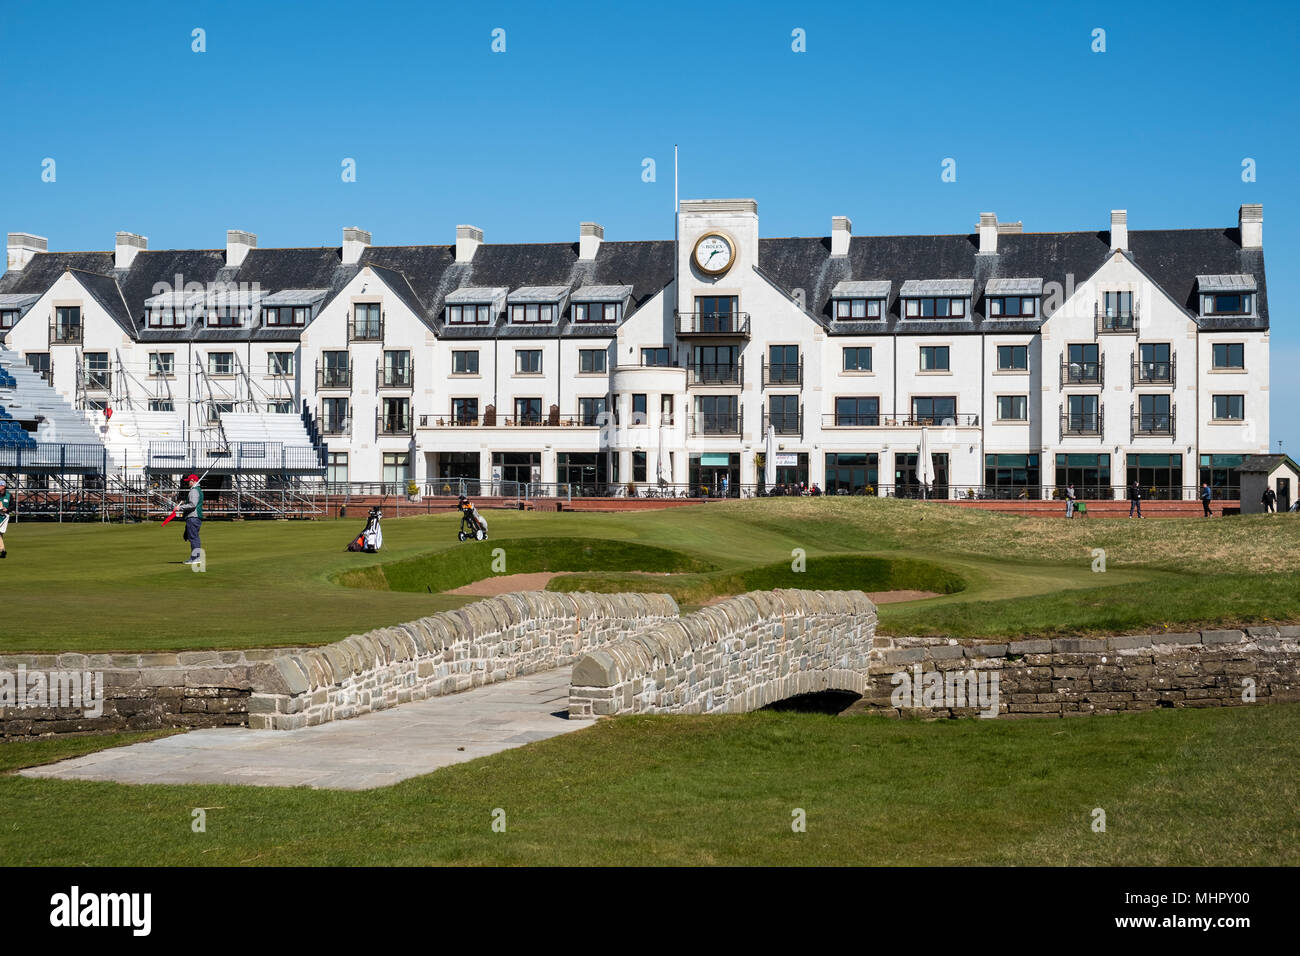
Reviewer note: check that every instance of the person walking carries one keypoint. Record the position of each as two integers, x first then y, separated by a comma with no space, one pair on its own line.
1205,498
192,509
726,485
6,505
1269,501
1134,498
1069,500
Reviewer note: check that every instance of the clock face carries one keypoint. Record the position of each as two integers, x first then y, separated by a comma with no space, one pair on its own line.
714,254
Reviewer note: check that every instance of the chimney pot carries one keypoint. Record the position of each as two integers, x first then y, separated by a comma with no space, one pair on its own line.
22,247
468,239
841,233
590,236
355,242
1119,229
1250,219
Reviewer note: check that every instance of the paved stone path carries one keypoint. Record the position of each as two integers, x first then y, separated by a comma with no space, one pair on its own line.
373,750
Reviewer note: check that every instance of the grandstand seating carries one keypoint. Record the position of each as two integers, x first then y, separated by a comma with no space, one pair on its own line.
25,397
128,433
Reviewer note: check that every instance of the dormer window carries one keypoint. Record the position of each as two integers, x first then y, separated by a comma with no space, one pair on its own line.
469,314
848,310
537,305
7,318
532,313
936,298
597,312
475,305
1227,294
859,301
1013,307
600,303
225,317
291,307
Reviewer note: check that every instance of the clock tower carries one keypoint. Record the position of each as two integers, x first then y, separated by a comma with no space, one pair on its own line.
717,248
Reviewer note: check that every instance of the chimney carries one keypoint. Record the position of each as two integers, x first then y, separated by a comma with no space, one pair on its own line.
1119,229
988,230
22,246
1011,228
590,236
238,243
355,242
1250,218
468,239
841,233
128,244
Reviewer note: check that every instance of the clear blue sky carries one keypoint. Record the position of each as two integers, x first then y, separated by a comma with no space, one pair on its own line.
151,137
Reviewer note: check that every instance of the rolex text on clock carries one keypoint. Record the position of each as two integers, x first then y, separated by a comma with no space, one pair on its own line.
714,253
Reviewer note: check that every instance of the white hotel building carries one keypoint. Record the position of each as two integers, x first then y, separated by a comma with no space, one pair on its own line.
1030,359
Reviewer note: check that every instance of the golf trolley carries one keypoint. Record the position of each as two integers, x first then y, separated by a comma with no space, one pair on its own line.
472,524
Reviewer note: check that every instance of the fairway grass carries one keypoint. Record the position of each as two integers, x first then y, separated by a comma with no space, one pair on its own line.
1178,787
104,588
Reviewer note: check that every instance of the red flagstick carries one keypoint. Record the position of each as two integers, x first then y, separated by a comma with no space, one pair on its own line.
169,517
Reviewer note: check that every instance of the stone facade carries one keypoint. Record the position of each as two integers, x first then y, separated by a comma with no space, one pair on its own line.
485,642
736,656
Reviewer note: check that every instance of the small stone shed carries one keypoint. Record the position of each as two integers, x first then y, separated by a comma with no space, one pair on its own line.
1258,472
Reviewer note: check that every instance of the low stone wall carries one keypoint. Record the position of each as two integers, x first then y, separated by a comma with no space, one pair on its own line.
481,643
1073,677
738,655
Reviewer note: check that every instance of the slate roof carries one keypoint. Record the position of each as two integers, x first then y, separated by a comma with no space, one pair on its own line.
1267,463
802,268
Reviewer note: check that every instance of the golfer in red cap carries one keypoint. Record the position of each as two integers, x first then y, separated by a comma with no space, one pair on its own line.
192,509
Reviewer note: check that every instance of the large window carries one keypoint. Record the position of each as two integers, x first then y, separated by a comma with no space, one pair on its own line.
1154,363
97,375
469,314
1013,307
1013,358
225,317
1118,305
532,313
717,313
656,357
717,415
39,362
284,315
934,358
783,366
528,361
1220,473
1153,415
591,411
587,472
337,470
1013,408
161,405
1083,364
1159,476
397,471
716,364
67,323
162,364
907,483
396,372
596,312
1011,476
1229,407
1228,303
7,318
521,466
454,465
221,364
464,411
396,417
464,363
852,473
336,370
1090,475
640,413
166,317
783,414
528,411
935,411
279,363
217,409
591,361
935,308
367,324
846,310
1083,415
1229,355
855,411
857,359
334,416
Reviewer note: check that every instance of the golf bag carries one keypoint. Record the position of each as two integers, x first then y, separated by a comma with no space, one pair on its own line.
371,538
472,524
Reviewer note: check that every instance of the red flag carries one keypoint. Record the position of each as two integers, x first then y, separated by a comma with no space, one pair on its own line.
170,516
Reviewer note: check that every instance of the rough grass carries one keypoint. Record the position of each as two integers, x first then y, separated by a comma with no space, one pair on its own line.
1179,787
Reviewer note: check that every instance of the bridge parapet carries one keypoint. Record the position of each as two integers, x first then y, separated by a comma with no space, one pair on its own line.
739,655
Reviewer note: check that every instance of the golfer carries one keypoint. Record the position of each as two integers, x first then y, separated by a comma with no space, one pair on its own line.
192,509
6,505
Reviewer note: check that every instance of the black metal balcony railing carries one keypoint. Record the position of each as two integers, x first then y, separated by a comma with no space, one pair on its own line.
1082,423
783,373
333,377
783,423
1154,373
1153,423
1083,373
713,323
1116,320
65,333
891,420
393,422
395,376
365,330
717,423
702,373
335,426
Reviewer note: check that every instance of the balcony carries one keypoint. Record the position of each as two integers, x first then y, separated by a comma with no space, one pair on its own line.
396,376
393,422
1083,373
1153,424
713,324
1075,424
888,420
333,377
717,423
715,374
784,423
1154,373
65,333
335,427
365,330
1114,320
783,373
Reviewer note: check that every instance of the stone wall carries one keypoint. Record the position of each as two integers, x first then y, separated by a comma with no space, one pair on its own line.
481,643
738,655
1073,677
